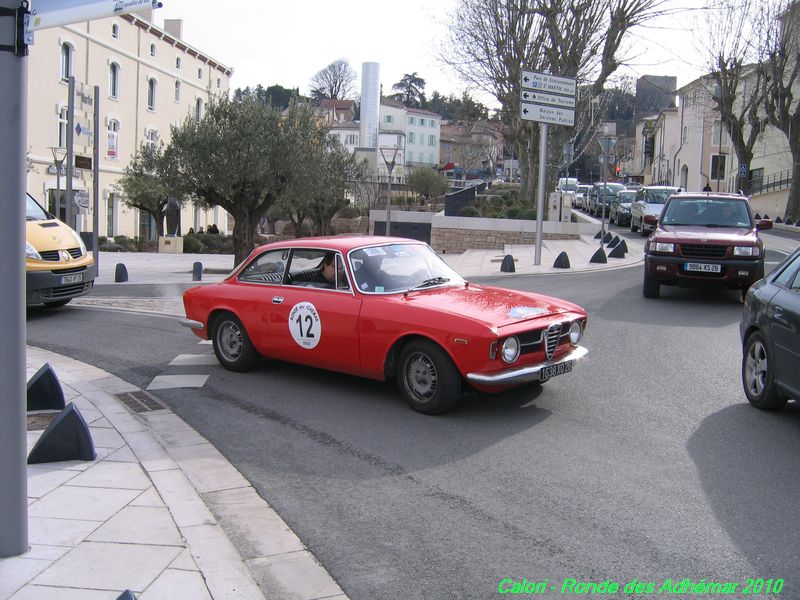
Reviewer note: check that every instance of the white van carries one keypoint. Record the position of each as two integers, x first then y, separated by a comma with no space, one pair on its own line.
567,184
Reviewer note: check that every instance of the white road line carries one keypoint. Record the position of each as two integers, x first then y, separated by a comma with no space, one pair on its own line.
166,382
193,359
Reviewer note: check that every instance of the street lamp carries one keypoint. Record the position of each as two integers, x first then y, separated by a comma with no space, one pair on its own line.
59,155
389,167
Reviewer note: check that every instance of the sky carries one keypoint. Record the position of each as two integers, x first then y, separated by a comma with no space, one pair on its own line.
286,43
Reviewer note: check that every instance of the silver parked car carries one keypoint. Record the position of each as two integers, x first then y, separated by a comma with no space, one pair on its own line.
649,202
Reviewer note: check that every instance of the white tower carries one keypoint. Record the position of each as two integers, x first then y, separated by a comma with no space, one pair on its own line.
370,103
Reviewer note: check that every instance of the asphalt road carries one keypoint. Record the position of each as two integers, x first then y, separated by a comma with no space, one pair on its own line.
645,462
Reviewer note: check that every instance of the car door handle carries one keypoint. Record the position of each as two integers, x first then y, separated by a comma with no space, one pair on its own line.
777,312
277,299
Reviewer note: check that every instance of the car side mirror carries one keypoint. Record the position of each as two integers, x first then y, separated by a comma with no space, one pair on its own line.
764,224
651,219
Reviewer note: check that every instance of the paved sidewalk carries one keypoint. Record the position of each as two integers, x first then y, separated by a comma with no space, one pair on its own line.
159,512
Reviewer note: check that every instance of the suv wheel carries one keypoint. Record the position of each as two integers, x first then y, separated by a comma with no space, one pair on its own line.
650,287
757,375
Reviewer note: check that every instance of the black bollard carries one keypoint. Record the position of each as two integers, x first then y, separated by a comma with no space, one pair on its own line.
599,257
614,241
197,271
507,266
562,261
617,252
120,273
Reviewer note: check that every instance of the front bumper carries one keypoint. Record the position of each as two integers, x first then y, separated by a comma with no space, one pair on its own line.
192,324
734,273
42,287
521,375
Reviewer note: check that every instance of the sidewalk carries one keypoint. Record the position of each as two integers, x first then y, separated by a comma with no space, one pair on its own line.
159,512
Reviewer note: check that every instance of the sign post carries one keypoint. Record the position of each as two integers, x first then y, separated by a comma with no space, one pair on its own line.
607,143
547,99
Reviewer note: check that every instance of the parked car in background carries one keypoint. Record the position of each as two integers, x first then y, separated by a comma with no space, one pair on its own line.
648,205
705,240
601,196
394,309
58,267
633,185
582,195
770,334
619,211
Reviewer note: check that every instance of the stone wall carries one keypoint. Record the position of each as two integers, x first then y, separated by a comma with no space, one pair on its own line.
456,241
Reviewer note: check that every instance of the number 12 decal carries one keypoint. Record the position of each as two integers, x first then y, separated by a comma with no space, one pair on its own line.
305,325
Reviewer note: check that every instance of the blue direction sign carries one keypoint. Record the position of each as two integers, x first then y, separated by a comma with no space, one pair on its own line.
742,170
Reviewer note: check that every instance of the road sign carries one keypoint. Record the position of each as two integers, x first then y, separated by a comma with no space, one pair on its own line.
550,99
543,82
607,142
81,199
83,162
742,170
53,13
547,114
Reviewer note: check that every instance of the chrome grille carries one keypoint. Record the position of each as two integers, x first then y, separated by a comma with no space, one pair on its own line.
55,255
552,336
703,251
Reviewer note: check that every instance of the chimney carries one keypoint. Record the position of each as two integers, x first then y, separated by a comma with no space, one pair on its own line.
174,27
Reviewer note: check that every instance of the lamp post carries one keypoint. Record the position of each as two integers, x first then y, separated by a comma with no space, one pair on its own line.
607,143
389,167
59,154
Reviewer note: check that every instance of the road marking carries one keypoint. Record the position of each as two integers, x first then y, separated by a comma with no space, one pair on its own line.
206,342
193,359
166,382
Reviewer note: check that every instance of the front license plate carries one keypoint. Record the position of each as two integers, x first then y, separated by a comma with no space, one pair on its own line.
76,278
702,267
553,370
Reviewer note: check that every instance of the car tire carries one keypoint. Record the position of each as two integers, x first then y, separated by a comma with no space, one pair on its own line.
650,287
757,376
57,303
427,378
642,231
231,344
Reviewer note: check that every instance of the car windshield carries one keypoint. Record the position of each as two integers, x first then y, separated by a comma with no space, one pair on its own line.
34,212
657,196
609,189
626,196
704,212
400,267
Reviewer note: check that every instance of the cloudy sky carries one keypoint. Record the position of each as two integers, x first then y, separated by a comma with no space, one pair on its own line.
288,42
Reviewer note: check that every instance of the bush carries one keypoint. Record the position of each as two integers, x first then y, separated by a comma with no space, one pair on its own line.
207,243
125,243
469,211
109,247
348,212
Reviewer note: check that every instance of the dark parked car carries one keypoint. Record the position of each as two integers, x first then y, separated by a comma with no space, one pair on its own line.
620,210
601,194
704,240
770,332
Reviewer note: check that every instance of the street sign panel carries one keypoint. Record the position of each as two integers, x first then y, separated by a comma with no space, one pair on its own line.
743,170
543,82
53,13
550,99
607,142
547,114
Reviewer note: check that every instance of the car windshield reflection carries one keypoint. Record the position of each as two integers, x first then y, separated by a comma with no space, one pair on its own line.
393,268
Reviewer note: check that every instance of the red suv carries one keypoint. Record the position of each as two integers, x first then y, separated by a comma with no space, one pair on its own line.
704,240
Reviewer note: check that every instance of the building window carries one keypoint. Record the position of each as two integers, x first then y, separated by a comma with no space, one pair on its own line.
62,127
198,110
112,139
410,137
718,130
177,90
113,80
388,119
115,31
412,120
399,142
219,83
685,138
351,139
718,167
177,62
66,61
150,140
151,94
152,49
199,73
431,140
110,215
145,225
410,156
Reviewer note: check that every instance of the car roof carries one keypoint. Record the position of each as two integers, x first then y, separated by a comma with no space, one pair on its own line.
342,243
712,195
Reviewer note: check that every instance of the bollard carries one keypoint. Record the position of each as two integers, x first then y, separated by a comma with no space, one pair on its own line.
617,252
778,220
507,266
599,257
44,390
608,237
197,271
789,221
66,438
624,246
120,273
562,261
598,235
613,242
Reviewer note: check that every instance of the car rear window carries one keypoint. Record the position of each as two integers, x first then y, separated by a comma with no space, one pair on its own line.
657,196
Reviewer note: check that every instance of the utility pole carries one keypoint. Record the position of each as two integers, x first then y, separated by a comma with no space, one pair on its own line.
607,142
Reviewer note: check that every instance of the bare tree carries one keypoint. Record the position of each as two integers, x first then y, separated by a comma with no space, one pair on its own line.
492,41
334,81
782,66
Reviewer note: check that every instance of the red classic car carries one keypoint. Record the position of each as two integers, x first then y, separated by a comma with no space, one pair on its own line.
383,307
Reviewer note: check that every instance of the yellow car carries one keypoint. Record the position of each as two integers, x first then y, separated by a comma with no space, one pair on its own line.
57,266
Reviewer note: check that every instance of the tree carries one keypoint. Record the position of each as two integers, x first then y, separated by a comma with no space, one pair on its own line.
427,183
334,81
233,158
491,41
411,90
275,95
782,66
143,186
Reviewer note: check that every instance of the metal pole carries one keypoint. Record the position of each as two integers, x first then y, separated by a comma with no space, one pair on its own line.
13,447
58,183
605,197
96,181
719,149
68,219
537,257
389,204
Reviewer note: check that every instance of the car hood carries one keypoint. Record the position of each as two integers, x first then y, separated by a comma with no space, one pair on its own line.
51,234
697,234
650,208
491,305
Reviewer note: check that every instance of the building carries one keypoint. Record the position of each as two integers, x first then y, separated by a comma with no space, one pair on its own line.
472,150
148,78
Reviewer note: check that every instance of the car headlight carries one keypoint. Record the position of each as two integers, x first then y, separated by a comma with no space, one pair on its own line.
664,247
510,349
575,333
78,239
31,252
624,209
745,250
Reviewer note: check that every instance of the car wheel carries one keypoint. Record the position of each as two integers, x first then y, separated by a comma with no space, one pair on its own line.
757,377
644,232
57,304
650,288
427,378
232,344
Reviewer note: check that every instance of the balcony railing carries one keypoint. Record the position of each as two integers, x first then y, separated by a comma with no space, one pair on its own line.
764,185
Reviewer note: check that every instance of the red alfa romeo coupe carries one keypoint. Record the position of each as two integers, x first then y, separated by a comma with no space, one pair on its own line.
384,307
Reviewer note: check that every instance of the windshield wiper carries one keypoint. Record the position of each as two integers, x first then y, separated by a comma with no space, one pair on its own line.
429,282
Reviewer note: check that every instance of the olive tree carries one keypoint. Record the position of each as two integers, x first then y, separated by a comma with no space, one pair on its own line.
427,183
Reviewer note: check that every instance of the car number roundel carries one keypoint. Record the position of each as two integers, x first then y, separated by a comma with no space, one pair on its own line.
305,325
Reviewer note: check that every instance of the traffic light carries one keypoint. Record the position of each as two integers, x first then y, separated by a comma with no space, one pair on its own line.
616,170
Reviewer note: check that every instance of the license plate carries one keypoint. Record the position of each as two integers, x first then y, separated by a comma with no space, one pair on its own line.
553,370
703,268
76,278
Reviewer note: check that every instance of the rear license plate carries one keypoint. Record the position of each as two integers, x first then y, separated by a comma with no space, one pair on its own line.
702,267
553,370
76,278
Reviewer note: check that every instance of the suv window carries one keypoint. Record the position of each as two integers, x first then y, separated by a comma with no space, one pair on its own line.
708,212
657,196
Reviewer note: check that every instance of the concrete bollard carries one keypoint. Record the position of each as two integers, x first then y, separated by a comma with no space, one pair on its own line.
617,252
608,237
599,257
507,266
613,242
120,273
562,261
197,271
